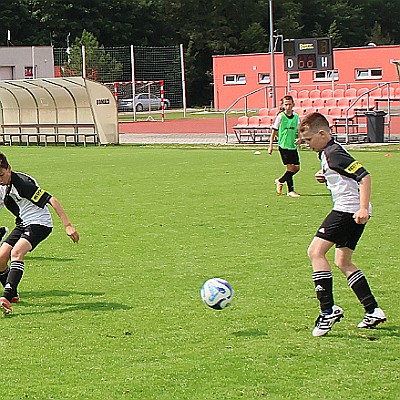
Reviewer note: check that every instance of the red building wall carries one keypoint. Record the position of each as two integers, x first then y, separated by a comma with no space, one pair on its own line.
346,62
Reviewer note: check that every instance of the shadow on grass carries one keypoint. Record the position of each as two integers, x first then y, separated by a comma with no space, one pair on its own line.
57,307
41,258
316,195
57,293
373,334
250,333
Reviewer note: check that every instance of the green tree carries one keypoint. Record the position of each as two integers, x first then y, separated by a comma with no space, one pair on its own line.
253,39
377,36
334,32
99,64
288,19
17,17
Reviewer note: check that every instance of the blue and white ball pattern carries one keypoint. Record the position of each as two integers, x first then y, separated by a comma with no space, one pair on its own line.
216,293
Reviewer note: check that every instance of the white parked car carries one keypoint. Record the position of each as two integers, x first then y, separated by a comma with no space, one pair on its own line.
143,102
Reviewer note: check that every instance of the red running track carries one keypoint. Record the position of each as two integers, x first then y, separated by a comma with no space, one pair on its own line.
203,125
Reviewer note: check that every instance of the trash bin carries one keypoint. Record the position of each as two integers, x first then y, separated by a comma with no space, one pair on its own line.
375,126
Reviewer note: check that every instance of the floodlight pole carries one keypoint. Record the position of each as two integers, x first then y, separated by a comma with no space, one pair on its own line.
272,52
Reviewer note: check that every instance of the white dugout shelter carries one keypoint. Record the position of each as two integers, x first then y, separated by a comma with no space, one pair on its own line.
57,110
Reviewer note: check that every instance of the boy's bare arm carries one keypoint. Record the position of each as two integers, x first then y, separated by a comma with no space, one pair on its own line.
362,215
69,228
271,141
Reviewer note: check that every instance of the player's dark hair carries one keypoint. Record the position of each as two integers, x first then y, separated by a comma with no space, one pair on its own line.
287,97
3,161
314,122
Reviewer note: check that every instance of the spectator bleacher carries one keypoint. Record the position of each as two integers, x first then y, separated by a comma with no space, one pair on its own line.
344,109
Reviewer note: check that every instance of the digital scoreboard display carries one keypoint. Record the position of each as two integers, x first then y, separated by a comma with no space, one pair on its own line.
308,54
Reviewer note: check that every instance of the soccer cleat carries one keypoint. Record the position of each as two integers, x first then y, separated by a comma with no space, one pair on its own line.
5,306
279,186
293,194
15,299
374,319
324,322
3,234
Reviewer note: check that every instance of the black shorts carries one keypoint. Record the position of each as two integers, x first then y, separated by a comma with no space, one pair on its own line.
34,234
289,156
340,228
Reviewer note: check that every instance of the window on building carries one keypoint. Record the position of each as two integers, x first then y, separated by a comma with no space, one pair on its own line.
294,77
322,76
264,78
368,73
235,79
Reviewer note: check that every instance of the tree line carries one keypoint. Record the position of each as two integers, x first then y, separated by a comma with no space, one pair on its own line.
205,27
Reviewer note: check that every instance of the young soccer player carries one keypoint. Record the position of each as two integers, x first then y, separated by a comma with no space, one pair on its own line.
22,195
286,127
350,186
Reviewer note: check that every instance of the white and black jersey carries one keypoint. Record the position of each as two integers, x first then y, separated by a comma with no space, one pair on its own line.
343,174
26,200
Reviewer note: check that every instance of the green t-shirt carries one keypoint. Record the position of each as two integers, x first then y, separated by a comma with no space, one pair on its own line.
287,132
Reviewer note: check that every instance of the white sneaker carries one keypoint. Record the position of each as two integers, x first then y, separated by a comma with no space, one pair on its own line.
3,234
293,194
371,320
324,322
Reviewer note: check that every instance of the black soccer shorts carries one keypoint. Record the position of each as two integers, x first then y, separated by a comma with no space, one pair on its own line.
34,234
340,228
289,156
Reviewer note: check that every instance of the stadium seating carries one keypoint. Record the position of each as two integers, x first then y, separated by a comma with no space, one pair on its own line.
253,129
361,91
315,94
318,103
331,102
304,103
303,94
388,92
350,93
344,109
327,93
338,93
264,112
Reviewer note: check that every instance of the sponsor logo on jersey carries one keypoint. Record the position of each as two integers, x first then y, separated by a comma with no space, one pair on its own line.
37,195
353,167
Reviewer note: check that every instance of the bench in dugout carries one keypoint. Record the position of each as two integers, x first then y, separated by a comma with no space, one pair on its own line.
45,133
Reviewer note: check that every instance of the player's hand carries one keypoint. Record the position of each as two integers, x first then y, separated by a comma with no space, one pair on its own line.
72,233
299,141
270,149
320,177
361,216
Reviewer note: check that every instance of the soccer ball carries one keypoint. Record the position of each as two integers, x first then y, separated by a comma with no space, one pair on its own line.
216,293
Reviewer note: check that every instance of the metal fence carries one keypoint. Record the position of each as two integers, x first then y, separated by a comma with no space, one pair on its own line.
127,64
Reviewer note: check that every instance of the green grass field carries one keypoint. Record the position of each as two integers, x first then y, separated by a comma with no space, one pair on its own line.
119,315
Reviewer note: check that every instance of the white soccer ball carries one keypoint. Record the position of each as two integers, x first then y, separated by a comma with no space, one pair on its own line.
216,293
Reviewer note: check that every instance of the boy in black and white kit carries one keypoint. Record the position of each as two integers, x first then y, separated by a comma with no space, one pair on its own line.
350,186
21,195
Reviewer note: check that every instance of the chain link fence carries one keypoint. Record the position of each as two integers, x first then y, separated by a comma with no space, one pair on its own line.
121,65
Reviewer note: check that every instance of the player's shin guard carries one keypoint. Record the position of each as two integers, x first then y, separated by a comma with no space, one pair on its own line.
13,279
323,282
359,284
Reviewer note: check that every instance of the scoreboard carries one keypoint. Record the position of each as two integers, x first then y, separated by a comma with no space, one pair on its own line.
308,54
